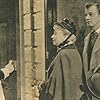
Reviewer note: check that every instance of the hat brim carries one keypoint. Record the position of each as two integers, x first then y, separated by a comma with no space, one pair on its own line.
95,91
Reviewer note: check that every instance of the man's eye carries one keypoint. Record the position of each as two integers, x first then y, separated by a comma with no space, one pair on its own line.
91,14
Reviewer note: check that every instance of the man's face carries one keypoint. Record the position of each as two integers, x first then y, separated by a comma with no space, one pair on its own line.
58,35
92,16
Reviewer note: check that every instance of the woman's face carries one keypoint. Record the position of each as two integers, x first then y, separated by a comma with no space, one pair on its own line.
58,35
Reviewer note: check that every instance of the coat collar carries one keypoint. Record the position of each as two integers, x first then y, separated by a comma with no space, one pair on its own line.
97,44
67,44
95,48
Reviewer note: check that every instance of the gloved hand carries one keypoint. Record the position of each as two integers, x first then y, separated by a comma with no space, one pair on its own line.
42,85
9,68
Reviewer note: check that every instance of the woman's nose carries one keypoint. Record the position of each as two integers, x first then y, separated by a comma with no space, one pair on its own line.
52,36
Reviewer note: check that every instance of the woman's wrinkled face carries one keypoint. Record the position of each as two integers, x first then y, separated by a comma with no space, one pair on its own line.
58,35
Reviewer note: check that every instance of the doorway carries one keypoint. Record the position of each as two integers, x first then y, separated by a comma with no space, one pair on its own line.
8,33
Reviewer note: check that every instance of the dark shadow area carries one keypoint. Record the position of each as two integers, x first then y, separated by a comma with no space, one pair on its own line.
8,30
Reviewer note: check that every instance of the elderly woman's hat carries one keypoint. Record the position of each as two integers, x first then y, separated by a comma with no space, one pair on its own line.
67,24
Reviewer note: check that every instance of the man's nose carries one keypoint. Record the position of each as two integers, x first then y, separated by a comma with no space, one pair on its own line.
87,17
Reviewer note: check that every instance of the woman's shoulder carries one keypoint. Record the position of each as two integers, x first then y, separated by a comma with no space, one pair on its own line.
68,52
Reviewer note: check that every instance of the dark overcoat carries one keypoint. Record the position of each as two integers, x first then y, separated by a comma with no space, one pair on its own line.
10,86
94,63
63,82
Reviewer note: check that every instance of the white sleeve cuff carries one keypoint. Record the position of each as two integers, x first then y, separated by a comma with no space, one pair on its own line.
7,70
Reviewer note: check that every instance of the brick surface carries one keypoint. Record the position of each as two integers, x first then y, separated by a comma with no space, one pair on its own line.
38,54
28,54
40,71
33,54
36,98
29,97
37,5
28,70
38,41
27,21
36,90
28,37
26,6
38,20
28,86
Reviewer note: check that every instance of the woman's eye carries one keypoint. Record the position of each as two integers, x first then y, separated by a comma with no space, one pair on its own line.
55,33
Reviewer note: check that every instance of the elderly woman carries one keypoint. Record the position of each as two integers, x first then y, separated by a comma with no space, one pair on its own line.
64,79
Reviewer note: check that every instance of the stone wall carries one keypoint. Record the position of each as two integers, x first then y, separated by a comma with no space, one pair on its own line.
34,46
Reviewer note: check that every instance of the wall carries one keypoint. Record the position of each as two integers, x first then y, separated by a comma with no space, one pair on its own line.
33,47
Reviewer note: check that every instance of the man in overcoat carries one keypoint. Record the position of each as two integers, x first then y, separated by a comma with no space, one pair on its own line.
91,54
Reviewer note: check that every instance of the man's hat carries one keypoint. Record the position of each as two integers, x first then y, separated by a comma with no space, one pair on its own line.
93,82
67,24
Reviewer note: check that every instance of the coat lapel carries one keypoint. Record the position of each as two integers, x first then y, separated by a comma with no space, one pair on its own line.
95,49
85,55
97,44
